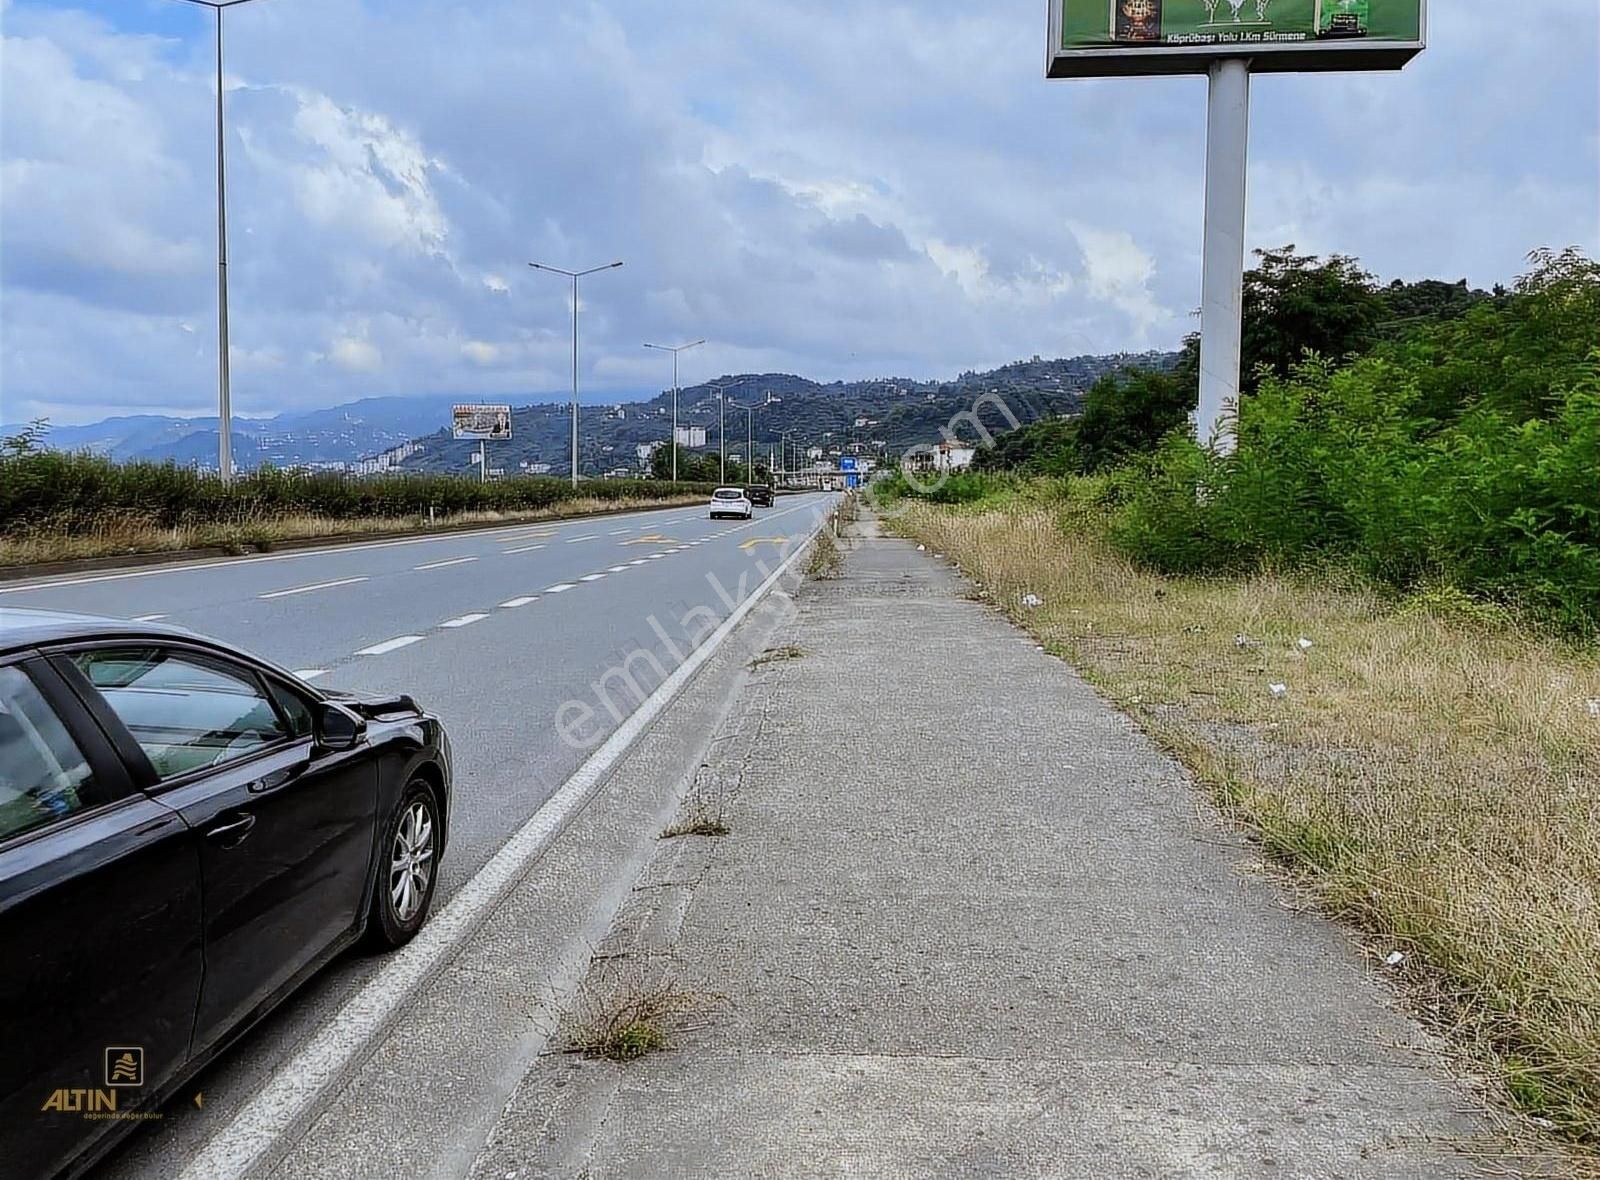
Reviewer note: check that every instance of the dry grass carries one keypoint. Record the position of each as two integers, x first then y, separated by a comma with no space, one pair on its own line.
1435,780
701,815
777,655
128,534
626,1008
825,560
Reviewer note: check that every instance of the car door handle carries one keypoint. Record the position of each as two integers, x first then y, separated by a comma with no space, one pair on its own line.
233,833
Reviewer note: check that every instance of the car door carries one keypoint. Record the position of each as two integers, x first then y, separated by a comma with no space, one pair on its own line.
285,831
99,926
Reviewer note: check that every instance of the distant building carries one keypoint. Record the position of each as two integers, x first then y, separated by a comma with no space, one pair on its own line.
386,460
943,458
690,436
646,451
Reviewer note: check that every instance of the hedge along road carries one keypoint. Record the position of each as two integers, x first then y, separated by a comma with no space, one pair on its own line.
493,631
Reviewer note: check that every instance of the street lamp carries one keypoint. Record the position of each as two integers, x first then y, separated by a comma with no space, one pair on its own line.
750,430
722,425
224,404
783,441
675,350
574,275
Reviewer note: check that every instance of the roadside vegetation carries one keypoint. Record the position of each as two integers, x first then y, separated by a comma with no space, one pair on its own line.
1371,633
56,506
627,1008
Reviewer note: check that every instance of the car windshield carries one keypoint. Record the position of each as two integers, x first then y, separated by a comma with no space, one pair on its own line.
729,494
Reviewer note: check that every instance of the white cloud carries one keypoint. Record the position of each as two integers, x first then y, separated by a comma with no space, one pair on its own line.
356,356
841,188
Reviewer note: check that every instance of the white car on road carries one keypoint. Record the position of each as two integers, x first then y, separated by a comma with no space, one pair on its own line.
731,502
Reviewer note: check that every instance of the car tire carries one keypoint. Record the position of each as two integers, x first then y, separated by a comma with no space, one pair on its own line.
407,869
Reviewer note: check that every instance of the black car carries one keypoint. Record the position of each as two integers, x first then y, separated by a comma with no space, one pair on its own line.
187,833
760,495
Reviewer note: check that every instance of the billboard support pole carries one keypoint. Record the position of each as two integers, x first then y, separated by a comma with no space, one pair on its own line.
1222,265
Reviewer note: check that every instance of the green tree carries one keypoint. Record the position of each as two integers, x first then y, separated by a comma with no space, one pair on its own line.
1129,413
1298,303
27,441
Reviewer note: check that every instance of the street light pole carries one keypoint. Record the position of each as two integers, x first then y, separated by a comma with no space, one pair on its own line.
574,275
224,392
675,350
722,426
750,431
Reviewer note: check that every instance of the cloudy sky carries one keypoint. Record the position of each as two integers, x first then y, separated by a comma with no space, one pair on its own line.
831,187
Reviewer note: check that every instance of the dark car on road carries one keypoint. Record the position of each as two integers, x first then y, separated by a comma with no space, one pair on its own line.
760,495
187,833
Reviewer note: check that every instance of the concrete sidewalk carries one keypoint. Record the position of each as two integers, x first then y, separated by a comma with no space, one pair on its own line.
968,921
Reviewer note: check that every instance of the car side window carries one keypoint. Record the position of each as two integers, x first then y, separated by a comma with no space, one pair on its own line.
43,775
187,711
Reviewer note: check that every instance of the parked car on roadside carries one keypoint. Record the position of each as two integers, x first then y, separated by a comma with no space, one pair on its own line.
187,834
731,502
760,494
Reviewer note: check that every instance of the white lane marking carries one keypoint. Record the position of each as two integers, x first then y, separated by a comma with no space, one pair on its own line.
148,618
320,551
523,549
310,588
311,673
616,569
463,620
638,561
560,587
279,1104
618,532
591,577
439,565
585,537
653,556
389,645
513,603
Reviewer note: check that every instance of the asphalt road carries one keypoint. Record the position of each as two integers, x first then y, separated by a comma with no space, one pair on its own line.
495,631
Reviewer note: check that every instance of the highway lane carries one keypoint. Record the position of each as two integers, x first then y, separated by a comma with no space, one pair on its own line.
494,631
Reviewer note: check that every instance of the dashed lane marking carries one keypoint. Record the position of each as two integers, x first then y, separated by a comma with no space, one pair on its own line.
439,565
310,588
389,645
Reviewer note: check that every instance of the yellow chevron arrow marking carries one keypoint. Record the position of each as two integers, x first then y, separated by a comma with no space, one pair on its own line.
754,541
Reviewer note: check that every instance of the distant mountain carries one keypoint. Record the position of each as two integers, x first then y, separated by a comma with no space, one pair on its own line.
341,434
880,416
883,415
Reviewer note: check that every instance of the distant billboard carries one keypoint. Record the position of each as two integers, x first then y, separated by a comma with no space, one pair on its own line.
481,422
1110,38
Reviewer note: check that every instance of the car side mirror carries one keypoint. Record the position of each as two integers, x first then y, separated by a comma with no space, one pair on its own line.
338,728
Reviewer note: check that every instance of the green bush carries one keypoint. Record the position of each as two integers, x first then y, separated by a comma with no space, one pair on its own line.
1492,489
50,491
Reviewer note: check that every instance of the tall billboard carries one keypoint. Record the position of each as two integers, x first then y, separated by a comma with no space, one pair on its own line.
481,422
1112,38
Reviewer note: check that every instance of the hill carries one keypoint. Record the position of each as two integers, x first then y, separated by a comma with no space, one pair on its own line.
879,416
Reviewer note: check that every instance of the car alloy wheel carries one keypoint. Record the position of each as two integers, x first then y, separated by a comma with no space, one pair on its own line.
411,861
407,869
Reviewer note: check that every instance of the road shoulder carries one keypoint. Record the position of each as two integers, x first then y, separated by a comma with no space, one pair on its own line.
968,920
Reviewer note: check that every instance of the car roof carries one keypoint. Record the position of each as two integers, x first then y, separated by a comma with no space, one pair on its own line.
22,627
